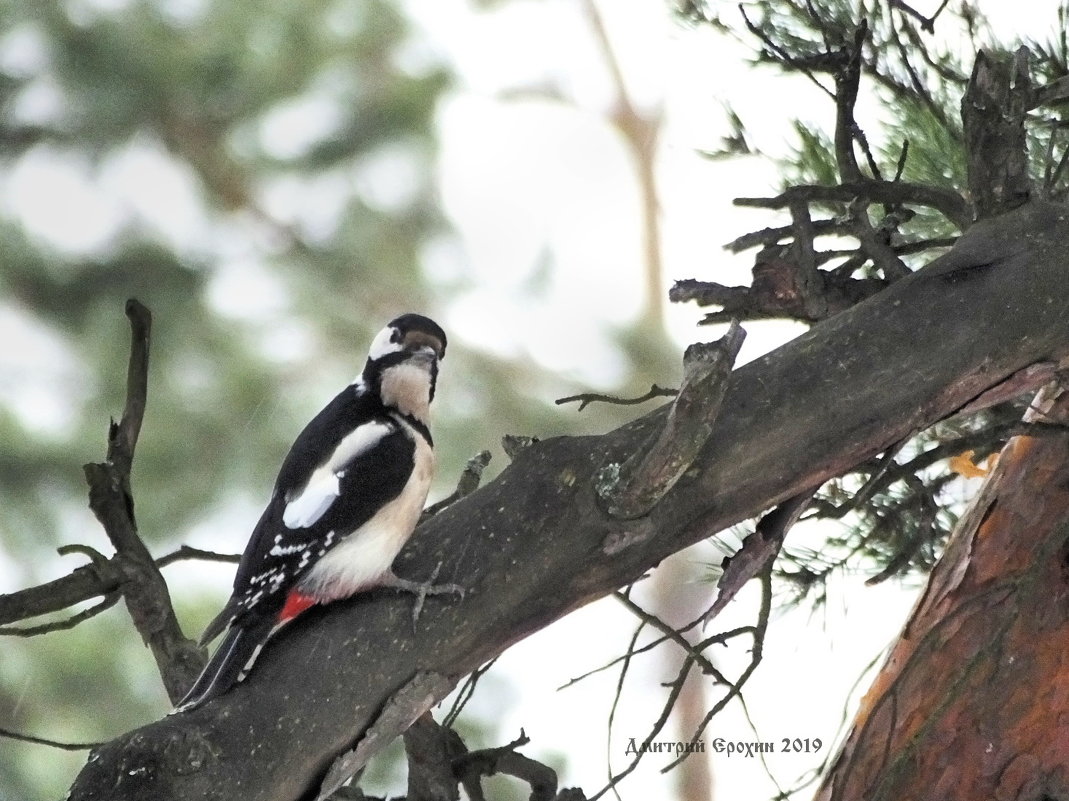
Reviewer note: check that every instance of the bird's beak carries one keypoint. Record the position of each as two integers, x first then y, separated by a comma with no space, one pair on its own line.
425,353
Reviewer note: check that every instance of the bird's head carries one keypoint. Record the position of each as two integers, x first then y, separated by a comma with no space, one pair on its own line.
402,363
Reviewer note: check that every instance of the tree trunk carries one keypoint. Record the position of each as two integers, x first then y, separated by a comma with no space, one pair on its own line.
973,701
535,544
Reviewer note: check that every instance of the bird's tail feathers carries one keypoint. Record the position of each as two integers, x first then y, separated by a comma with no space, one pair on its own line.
215,628
228,665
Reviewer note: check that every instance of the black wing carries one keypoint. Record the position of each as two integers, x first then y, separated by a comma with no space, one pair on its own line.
277,554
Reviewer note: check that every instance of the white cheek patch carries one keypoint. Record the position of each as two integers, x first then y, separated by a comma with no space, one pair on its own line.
314,499
381,344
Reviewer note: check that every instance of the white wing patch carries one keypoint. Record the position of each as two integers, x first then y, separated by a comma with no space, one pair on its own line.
362,558
323,487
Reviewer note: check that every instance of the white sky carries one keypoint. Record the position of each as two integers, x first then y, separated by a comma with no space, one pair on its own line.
519,177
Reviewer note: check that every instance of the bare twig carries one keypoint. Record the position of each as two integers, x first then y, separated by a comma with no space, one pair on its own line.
777,51
187,552
927,23
617,695
139,579
722,637
467,690
695,652
66,623
470,767
586,398
756,654
100,578
676,686
29,738
776,294
903,156
847,80
920,89
773,236
947,201
876,244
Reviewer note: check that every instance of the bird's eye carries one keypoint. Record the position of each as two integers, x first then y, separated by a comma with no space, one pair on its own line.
395,335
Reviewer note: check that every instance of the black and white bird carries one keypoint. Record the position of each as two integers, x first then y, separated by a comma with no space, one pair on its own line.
347,498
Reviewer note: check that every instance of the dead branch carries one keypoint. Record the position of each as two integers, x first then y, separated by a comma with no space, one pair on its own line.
756,655
847,81
64,624
406,705
139,580
586,398
993,111
759,549
948,202
100,578
470,478
430,750
62,746
632,488
472,766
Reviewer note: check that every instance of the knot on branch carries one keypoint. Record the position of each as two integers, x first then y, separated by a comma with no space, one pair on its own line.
632,489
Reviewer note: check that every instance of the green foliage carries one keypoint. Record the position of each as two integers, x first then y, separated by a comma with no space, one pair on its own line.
891,517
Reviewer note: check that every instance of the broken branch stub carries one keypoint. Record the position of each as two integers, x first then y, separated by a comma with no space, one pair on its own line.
632,489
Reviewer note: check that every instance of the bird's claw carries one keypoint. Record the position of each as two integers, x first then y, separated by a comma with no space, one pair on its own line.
421,589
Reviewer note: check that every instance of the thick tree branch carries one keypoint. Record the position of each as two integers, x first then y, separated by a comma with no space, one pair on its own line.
406,705
535,544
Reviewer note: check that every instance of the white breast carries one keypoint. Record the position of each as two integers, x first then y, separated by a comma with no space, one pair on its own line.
365,556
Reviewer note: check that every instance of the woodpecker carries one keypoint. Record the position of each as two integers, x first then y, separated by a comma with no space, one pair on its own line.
347,498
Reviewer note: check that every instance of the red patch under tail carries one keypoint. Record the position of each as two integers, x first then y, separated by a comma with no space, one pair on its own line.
295,604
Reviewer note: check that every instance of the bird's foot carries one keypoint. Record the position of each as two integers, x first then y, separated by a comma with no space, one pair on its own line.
421,589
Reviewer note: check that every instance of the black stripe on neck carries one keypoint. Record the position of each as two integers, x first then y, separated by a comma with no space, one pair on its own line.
416,423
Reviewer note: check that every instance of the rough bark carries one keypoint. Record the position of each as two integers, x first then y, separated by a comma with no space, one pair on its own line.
535,544
973,701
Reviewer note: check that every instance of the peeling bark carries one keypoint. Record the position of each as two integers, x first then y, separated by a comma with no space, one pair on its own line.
973,701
